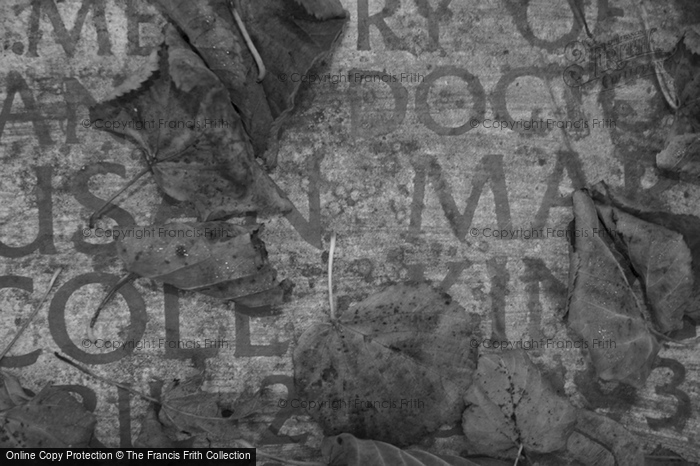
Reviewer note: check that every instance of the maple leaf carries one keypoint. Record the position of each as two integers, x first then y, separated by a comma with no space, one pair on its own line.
190,416
193,139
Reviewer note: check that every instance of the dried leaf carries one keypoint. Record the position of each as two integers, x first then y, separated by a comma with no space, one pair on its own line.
511,404
401,357
218,259
154,434
602,306
194,141
595,441
347,450
594,430
136,79
11,392
684,67
686,297
291,42
290,38
211,30
662,456
323,9
661,260
691,38
187,396
52,419
681,157
211,417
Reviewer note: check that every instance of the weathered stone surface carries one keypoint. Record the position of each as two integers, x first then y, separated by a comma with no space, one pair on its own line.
381,149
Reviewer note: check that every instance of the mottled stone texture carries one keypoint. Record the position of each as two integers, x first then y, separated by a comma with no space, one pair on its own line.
441,141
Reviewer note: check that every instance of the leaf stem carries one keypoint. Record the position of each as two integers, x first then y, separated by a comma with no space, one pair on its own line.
670,340
517,458
249,43
150,161
331,251
32,315
112,291
98,213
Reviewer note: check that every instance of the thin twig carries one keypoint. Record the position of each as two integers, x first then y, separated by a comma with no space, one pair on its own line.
331,251
517,458
32,315
249,43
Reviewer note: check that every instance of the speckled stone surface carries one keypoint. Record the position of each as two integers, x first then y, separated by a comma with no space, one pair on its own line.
395,145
